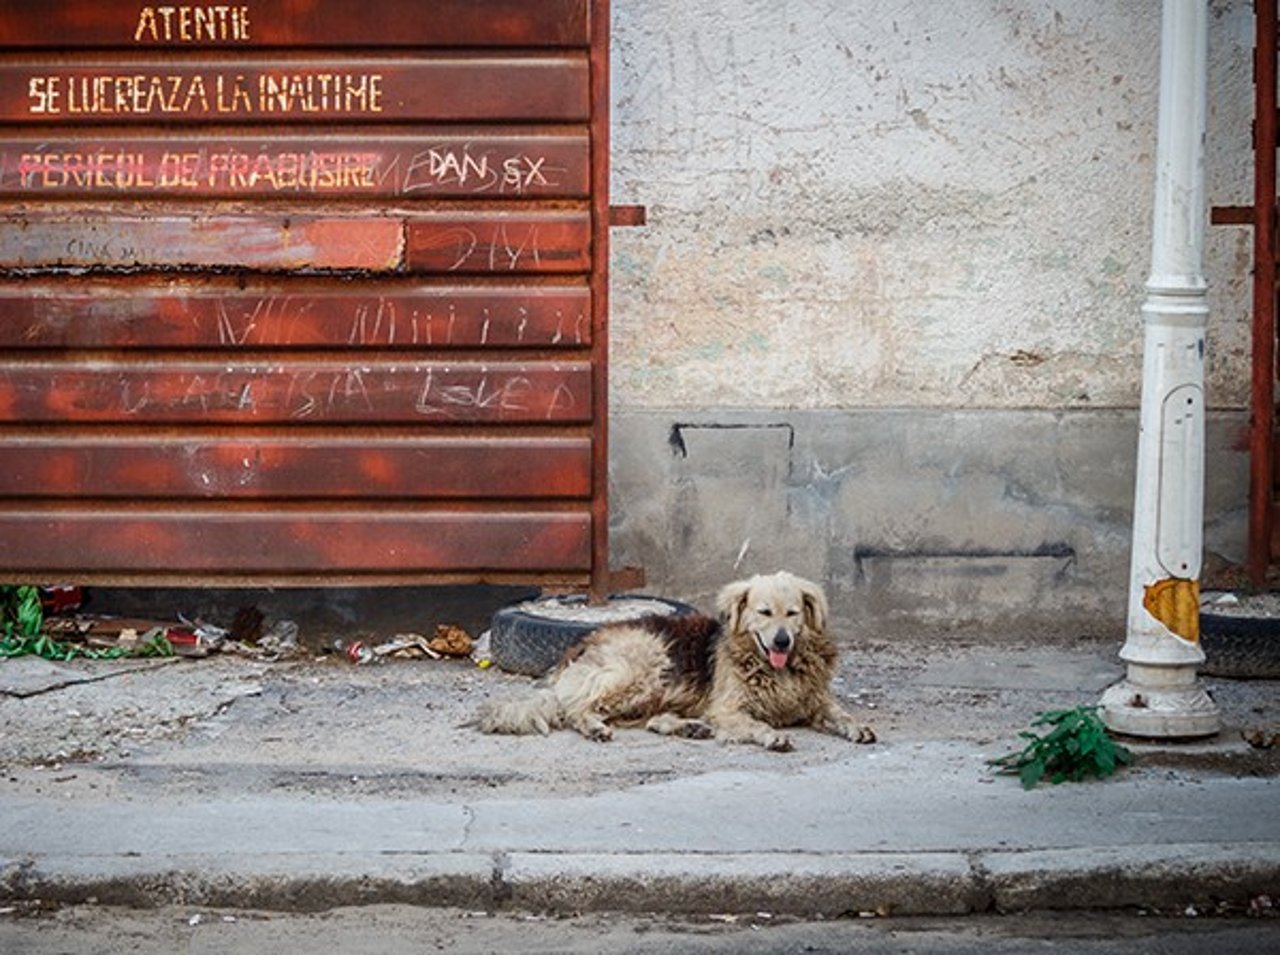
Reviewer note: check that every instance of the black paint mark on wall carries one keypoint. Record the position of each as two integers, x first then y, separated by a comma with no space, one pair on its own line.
676,436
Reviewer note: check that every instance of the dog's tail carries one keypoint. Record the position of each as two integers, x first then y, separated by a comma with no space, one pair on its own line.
536,712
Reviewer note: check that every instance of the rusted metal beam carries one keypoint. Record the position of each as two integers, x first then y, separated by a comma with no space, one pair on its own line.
288,466
1231,215
628,215
1262,549
278,392
294,23
267,241
421,165
600,132
549,87
150,313
467,241
192,540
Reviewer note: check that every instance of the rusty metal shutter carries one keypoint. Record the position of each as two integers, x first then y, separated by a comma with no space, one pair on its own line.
305,291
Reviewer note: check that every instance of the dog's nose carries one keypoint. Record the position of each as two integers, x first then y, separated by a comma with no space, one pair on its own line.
782,640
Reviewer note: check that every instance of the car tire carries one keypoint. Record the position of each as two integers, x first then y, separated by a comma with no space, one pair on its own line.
532,637
1243,647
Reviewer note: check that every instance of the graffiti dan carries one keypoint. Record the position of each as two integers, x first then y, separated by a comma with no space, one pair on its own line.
444,167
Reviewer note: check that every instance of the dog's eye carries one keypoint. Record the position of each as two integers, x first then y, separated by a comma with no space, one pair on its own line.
793,613
765,612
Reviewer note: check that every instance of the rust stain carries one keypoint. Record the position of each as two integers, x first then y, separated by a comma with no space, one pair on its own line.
373,244
1175,602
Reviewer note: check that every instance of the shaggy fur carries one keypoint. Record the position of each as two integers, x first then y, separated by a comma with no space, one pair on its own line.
765,665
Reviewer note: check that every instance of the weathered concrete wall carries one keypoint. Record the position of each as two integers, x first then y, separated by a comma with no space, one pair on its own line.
941,210
998,522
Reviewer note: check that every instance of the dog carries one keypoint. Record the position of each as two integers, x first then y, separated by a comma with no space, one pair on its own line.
765,665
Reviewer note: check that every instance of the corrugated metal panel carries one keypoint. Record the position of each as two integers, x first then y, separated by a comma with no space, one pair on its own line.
296,23
428,163
289,88
291,311
304,292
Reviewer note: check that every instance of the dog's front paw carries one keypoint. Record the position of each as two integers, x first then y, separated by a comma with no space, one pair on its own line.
776,742
594,729
855,732
695,729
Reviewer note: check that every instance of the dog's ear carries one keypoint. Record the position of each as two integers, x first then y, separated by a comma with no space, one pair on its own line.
732,602
815,606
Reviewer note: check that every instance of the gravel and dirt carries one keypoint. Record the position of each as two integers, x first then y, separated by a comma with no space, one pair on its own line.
406,930
321,725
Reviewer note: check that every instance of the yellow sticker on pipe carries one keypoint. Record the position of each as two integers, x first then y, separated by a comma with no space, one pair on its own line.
1175,602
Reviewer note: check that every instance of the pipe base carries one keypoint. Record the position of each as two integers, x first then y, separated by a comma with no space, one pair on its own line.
1160,702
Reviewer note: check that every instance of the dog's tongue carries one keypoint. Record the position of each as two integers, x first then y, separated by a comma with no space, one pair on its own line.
777,659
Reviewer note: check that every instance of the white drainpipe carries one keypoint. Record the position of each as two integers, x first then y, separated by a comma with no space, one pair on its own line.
1159,696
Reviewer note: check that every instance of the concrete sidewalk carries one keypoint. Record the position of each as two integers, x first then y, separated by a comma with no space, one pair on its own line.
213,815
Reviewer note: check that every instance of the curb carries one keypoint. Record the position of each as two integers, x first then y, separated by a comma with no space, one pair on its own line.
940,883
1140,876
274,883
799,884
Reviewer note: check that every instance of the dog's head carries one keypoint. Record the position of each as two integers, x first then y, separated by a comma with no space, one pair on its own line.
776,611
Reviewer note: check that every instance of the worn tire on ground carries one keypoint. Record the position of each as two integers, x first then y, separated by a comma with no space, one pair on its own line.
1240,646
521,640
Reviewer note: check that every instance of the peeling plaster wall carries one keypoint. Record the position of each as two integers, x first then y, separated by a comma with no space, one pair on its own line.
904,204
913,237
